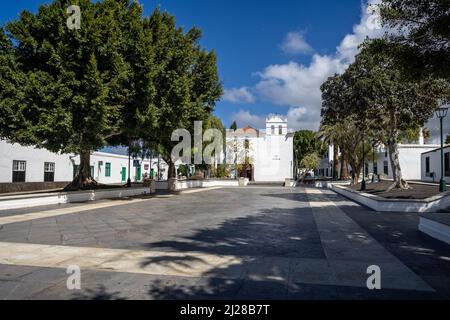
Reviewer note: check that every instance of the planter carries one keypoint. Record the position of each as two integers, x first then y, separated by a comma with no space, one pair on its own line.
243,182
173,184
433,204
289,183
151,184
26,201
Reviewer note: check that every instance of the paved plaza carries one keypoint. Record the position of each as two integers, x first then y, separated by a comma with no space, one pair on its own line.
259,242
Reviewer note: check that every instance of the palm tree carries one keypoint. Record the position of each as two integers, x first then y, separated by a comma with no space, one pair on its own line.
334,135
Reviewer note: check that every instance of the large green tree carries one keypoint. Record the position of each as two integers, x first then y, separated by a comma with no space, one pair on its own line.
186,81
386,101
79,88
421,43
307,142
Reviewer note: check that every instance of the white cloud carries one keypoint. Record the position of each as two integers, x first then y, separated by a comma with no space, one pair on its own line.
298,86
295,43
238,95
245,118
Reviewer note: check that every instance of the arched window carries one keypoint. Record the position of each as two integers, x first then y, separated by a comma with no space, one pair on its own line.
280,130
273,129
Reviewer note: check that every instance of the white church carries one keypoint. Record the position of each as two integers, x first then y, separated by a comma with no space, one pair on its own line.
262,155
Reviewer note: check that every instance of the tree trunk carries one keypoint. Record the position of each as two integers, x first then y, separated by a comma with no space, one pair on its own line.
83,179
397,175
172,170
343,175
356,171
335,162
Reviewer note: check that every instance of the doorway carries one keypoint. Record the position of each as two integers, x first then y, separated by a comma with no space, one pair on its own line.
138,173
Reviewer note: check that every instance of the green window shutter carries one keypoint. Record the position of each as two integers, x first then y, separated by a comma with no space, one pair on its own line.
108,169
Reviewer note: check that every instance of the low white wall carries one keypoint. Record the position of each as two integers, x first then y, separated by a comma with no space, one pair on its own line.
26,201
188,184
434,204
435,229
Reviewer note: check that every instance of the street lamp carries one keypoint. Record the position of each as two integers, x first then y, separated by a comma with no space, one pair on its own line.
373,162
441,113
363,182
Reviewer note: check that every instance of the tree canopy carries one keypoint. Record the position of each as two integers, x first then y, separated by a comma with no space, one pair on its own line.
421,42
120,78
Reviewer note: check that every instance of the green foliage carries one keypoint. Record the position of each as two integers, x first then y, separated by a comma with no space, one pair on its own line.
186,80
412,135
307,142
310,162
120,79
222,171
422,48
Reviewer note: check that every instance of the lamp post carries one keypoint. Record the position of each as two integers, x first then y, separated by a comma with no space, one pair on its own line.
129,169
363,182
441,113
373,162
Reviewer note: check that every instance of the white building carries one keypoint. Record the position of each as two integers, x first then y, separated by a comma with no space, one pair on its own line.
410,161
28,164
431,165
409,156
270,151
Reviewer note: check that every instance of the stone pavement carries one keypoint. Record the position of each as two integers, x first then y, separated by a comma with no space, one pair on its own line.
230,243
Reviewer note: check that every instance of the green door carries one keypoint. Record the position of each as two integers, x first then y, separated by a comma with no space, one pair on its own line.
124,174
138,173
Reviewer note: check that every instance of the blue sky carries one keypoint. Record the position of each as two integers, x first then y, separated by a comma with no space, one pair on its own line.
272,55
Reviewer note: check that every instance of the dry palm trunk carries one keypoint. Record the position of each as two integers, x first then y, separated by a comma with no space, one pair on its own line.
343,175
335,162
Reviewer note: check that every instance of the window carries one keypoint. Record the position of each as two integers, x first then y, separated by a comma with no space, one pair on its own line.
49,171
386,168
19,170
247,144
108,169
427,166
280,130
447,164
375,168
273,130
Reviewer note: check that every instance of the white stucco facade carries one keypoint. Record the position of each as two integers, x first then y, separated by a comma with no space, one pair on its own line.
409,156
431,165
410,161
270,150
107,168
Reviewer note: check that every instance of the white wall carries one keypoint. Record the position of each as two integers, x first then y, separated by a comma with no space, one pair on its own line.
410,161
35,159
274,158
118,162
435,165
